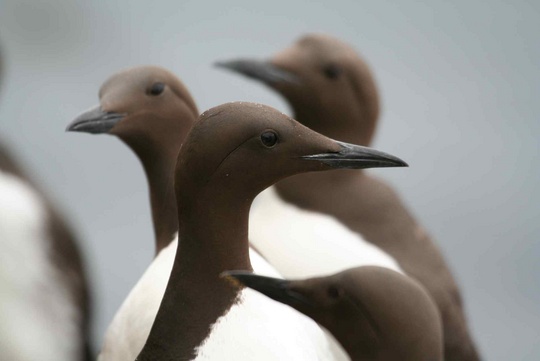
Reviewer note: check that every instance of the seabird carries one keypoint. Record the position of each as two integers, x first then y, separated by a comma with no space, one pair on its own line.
332,91
233,152
45,300
375,313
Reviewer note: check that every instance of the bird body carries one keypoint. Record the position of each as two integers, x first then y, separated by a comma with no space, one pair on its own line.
43,295
131,325
332,91
303,243
252,329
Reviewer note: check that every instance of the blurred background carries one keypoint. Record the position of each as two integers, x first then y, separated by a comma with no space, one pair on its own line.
459,83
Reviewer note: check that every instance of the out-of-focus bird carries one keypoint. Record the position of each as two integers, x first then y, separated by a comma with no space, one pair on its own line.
44,292
375,313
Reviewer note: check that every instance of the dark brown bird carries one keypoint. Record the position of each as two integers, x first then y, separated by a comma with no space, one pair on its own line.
233,152
332,91
375,313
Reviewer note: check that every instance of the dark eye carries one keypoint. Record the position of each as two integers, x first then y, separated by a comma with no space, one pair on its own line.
156,89
269,139
332,71
333,292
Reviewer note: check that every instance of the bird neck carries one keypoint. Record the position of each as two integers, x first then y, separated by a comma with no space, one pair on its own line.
158,159
356,350
352,125
213,228
214,224
358,339
160,174
318,190
355,125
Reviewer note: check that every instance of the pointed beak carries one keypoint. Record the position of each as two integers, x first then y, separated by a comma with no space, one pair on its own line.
352,156
95,121
260,70
275,288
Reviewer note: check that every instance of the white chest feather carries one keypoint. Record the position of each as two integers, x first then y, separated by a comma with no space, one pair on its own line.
301,243
131,325
258,328
38,320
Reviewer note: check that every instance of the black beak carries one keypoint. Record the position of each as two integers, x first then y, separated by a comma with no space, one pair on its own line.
260,70
95,121
275,288
353,156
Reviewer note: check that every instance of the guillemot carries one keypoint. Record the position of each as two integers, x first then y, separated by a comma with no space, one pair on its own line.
233,152
375,313
332,90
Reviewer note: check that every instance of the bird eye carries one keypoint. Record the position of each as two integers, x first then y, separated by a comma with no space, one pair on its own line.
156,89
269,139
332,71
333,292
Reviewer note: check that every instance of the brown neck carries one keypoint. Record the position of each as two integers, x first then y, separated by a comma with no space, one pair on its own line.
318,189
214,221
162,201
355,348
355,125
214,233
356,336
158,161
308,190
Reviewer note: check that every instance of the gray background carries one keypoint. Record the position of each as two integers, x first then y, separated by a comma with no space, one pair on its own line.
459,83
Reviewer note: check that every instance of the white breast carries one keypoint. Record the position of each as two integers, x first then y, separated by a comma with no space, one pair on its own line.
253,327
131,325
38,318
301,243
261,329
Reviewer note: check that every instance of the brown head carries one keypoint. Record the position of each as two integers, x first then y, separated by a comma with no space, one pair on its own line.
246,147
233,152
374,312
150,110
145,106
328,85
